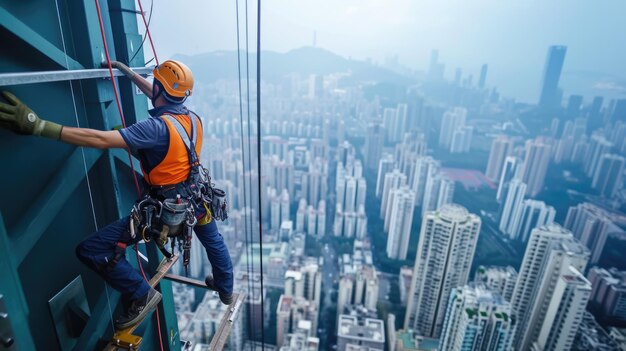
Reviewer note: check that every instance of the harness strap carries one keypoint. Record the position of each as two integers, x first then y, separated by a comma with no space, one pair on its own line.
190,142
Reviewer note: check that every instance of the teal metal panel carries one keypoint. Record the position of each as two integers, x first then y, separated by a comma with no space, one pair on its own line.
37,41
48,204
11,289
51,264
54,198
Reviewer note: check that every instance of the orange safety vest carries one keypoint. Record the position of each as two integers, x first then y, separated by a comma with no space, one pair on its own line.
175,167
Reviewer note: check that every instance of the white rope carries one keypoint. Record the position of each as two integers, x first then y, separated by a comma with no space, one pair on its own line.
93,210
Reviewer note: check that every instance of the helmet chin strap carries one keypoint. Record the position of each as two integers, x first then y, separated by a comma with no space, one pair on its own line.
154,98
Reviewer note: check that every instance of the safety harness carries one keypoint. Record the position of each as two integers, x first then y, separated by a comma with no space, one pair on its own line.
170,211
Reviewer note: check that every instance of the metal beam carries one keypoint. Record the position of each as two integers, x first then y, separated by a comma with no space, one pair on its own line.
35,40
223,331
188,281
56,76
122,156
36,220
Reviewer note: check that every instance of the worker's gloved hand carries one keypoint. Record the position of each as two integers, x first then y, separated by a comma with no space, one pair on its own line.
122,67
19,118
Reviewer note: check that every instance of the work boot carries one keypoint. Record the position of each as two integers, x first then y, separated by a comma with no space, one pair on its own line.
138,309
226,299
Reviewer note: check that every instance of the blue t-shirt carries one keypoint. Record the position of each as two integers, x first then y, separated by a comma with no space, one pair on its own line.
149,139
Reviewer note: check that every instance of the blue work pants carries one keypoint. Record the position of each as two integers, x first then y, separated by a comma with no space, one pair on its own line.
99,248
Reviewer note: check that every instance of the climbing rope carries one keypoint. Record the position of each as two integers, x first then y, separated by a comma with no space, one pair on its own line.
139,49
259,214
246,218
258,143
147,24
119,108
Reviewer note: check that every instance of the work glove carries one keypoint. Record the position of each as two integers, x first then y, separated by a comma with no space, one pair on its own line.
19,118
122,67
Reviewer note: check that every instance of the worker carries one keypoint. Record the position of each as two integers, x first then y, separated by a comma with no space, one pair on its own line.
166,162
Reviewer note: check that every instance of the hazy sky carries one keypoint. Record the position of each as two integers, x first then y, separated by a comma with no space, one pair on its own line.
512,36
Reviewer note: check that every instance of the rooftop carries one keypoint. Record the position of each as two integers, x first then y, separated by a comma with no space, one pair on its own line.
369,329
453,212
410,341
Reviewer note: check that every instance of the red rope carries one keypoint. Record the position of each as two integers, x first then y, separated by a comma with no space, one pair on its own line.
143,15
117,98
157,309
119,108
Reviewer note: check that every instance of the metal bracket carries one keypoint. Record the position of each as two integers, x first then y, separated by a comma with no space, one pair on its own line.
185,280
7,339
19,78
125,339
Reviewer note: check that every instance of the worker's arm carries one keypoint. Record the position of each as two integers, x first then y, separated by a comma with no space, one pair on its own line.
143,84
93,138
19,118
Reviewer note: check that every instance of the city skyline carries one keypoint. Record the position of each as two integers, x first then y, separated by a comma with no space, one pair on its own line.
511,37
353,187
432,184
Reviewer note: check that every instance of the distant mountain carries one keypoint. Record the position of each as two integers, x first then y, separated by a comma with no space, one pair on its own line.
303,61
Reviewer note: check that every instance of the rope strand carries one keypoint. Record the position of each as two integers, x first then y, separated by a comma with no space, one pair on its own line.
250,155
143,15
144,37
245,205
119,107
258,143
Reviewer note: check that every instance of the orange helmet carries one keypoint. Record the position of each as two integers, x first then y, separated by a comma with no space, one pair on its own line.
175,77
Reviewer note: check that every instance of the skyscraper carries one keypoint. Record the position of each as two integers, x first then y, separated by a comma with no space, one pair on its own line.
385,165
316,86
535,167
594,117
390,123
400,224
534,214
619,111
512,207
358,284
550,253
436,69
483,76
350,197
401,121
362,333
564,312
439,190
497,279
461,139
452,233
592,226
374,145
550,93
424,166
477,319
451,120
393,180
501,147
510,169
607,179
598,146
608,297
574,105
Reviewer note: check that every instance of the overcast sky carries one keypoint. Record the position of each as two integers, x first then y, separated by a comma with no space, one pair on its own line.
512,36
